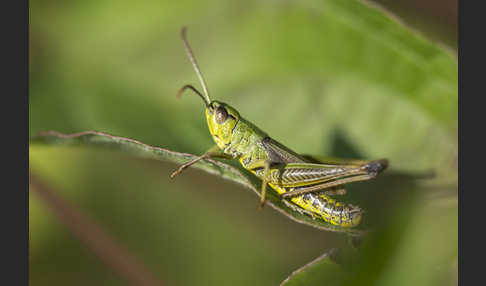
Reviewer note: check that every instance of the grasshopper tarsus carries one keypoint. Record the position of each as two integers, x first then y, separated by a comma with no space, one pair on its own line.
260,206
175,173
181,168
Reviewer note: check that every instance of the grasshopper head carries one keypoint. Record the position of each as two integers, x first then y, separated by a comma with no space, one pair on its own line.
221,118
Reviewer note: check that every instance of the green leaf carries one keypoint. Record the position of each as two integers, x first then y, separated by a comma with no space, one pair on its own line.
232,172
320,271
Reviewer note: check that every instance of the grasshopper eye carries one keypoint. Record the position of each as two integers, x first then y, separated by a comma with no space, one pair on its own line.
221,115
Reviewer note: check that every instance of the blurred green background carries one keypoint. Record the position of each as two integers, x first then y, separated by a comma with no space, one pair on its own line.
322,77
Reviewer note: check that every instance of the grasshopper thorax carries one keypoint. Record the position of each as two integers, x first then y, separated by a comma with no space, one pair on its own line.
221,119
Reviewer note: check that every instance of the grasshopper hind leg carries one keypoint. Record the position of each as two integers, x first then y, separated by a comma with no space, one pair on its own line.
335,191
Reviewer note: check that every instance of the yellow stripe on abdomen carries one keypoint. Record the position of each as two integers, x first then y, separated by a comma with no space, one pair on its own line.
325,207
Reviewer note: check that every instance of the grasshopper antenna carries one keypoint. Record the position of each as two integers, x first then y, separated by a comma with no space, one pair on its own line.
188,86
205,97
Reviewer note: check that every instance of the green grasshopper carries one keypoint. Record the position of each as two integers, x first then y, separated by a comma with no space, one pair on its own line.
303,182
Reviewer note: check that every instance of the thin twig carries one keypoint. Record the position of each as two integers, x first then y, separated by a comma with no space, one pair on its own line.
115,256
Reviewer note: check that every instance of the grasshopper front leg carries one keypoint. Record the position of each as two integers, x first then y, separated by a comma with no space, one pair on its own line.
214,152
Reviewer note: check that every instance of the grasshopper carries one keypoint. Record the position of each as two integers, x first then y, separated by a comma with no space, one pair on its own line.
304,183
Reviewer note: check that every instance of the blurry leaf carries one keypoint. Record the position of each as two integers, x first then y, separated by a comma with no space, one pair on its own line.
230,171
321,271
95,237
329,64
416,246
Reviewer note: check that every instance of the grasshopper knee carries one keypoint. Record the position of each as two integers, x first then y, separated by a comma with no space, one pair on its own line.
375,167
